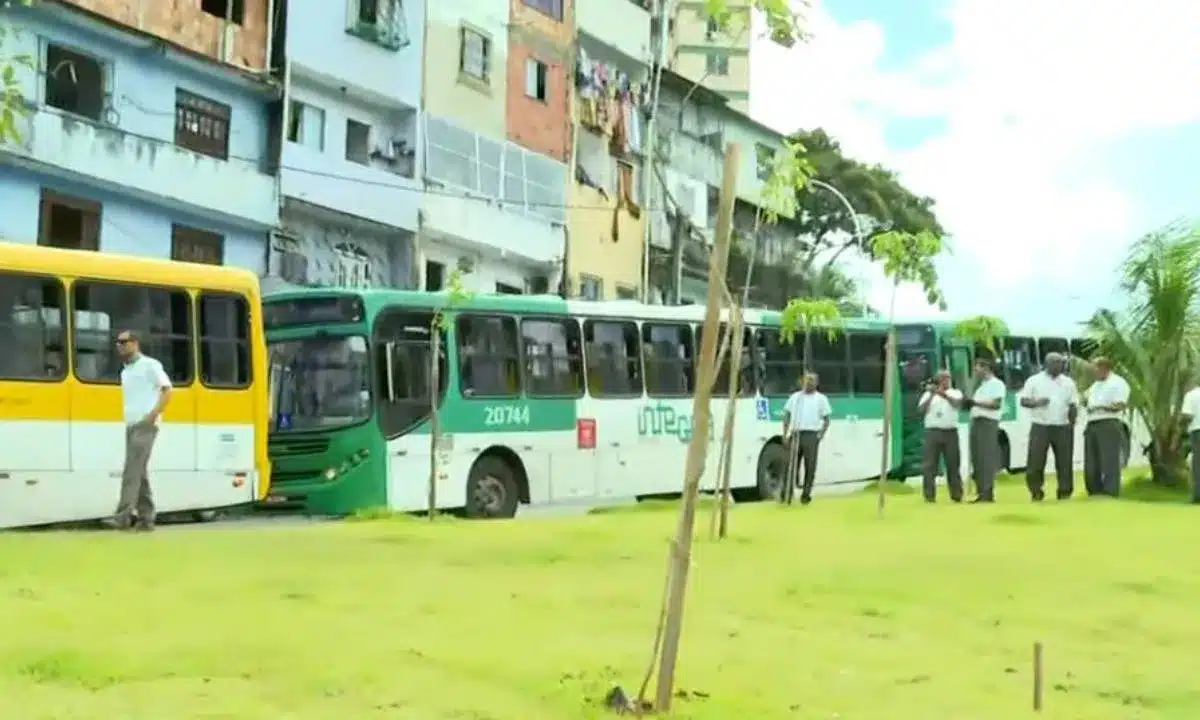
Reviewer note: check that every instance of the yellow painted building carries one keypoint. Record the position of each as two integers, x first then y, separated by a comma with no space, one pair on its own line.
466,64
717,60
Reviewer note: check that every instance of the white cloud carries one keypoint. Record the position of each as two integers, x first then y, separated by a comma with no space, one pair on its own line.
1027,91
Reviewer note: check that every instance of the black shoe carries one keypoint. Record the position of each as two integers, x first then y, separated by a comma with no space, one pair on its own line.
805,499
956,499
982,500
930,500
1037,497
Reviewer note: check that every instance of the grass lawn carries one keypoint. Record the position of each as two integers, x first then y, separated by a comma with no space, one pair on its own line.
817,612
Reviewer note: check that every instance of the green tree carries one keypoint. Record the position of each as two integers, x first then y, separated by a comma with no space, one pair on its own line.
1155,343
12,100
984,330
876,193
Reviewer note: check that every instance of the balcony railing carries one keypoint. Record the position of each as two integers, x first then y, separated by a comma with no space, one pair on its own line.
519,179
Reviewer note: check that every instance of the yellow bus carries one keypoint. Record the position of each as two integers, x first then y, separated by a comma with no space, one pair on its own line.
62,433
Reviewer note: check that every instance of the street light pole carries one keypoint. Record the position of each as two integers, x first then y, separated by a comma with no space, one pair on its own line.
859,235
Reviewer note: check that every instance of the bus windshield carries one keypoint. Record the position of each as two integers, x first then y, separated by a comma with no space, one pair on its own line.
322,382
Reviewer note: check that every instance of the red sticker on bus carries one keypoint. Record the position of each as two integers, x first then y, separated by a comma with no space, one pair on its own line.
585,433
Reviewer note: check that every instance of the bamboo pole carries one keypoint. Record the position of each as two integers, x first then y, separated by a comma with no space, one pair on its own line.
698,446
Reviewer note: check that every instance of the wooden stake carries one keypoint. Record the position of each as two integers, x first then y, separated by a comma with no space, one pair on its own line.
698,446
889,391
1037,677
719,525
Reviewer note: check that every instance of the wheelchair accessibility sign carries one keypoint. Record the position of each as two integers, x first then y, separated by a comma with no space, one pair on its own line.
761,410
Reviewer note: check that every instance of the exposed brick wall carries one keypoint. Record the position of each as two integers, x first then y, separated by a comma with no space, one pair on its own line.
540,126
184,23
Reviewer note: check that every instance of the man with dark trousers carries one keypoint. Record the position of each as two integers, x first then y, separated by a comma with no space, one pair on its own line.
1191,419
1103,437
939,406
1051,398
805,422
984,435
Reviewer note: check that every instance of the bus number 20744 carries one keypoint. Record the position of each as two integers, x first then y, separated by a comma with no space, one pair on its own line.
500,415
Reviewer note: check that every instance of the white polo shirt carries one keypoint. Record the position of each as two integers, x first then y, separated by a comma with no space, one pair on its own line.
142,383
1060,391
941,414
1191,408
807,411
1112,389
988,391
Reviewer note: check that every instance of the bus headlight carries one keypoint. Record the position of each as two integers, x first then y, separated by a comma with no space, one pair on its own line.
330,474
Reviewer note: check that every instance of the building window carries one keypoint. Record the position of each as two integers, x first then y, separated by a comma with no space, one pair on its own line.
716,63
68,222
352,267
379,21
189,244
626,292
306,125
764,157
506,289
435,276
551,8
75,83
358,142
474,54
233,10
202,125
535,79
591,287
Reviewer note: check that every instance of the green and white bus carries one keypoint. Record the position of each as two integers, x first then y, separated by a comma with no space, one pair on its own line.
924,347
542,400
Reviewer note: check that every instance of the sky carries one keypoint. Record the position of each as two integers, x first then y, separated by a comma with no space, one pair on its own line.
1050,134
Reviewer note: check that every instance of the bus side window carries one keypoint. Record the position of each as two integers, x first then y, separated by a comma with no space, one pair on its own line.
614,358
553,362
721,382
1019,361
405,400
1048,345
668,350
224,340
829,361
866,362
747,383
162,316
782,363
489,357
31,315
1084,349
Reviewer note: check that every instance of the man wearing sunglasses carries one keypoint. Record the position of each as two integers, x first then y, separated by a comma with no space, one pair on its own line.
145,392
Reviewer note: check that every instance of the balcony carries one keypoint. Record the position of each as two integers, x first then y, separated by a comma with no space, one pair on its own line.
623,25
492,194
695,158
155,170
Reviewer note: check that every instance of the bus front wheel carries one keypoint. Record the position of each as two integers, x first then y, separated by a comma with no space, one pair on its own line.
491,489
772,469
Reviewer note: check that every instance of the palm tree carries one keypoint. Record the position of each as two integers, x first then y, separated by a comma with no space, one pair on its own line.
1155,344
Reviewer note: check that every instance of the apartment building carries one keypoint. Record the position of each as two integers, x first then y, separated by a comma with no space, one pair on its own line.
146,130
718,59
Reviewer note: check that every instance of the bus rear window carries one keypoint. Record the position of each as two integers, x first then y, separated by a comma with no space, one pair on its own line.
311,311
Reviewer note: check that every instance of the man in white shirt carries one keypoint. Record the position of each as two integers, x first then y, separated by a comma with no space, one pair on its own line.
1051,398
940,405
984,435
805,422
1104,435
145,392
1191,419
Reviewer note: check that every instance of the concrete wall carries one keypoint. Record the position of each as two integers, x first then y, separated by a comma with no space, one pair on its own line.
184,23
318,41
127,225
594,249
471,104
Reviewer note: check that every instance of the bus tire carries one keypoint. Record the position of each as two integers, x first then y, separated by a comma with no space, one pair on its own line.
772,467
205,516
491,489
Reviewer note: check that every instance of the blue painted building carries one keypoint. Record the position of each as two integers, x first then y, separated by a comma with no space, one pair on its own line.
349,168
137,145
